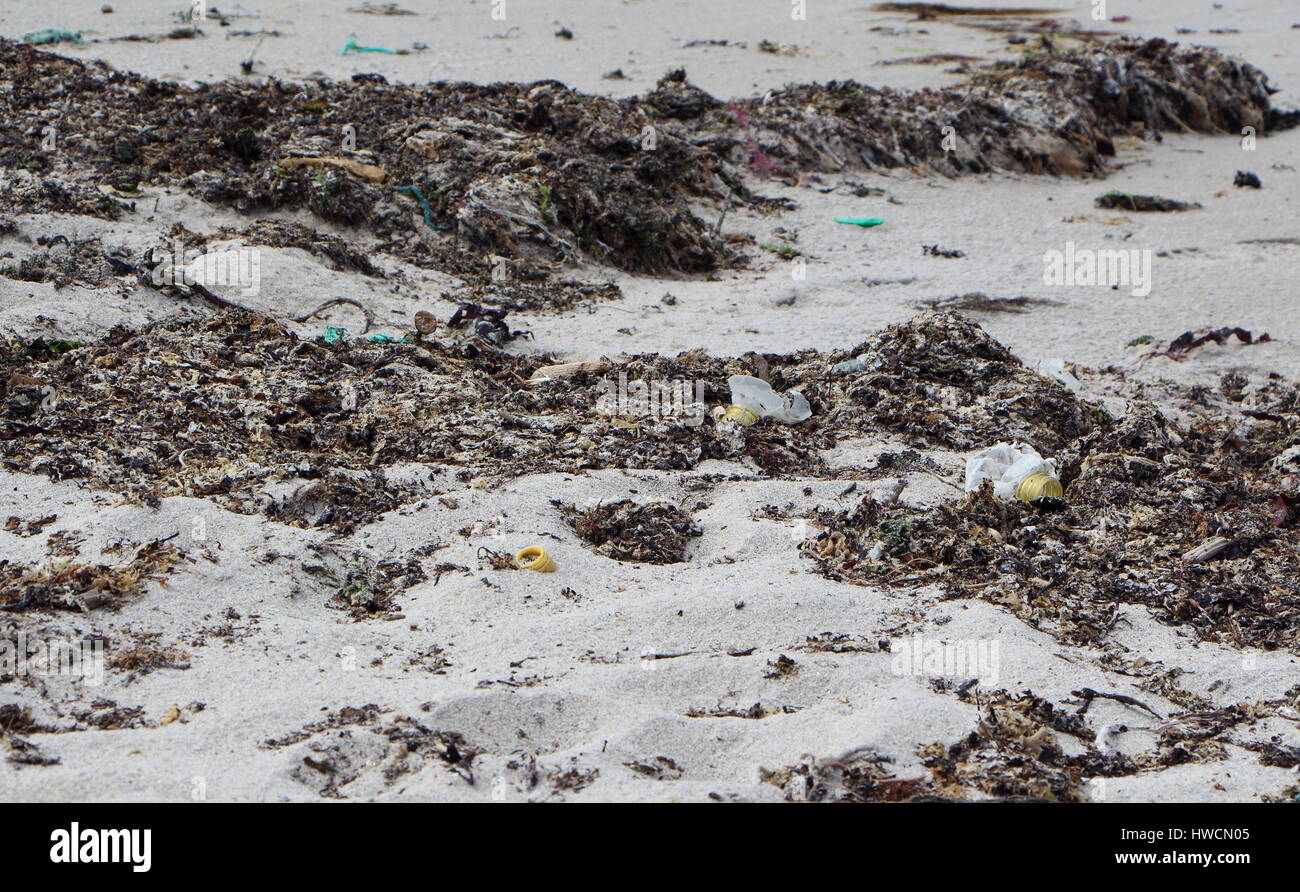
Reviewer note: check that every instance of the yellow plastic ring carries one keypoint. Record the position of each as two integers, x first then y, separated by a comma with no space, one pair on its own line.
1039,486
739,415
534,557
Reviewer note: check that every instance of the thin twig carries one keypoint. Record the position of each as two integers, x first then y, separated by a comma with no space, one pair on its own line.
370,318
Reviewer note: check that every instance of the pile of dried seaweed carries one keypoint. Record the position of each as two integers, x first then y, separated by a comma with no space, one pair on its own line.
63,262
942,379
1181,518
243,412
1058,113
339,253
544,174
361,585
70,586
522,170
1017,752
651,533
1013,754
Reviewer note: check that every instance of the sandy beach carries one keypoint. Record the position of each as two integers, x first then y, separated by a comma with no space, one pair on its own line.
290,548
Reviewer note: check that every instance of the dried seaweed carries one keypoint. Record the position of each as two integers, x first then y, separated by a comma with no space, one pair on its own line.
651,533
340,253
1058,113
543,174
1141,493
360,584
857,776
147,656
946,253
1246,179
535,171
246,414
1015,753
1123,201
24,752
63,585
1180,346
939,10
63,263
978,302
942,379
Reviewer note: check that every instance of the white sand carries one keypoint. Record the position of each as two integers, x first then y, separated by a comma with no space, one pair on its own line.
536,675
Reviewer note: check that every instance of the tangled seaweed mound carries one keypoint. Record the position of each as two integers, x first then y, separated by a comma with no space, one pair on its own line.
1013,755
64,262
940,377
1020,751
655,533
71,586
1190,521
528,171
1043,114
241,411
542,173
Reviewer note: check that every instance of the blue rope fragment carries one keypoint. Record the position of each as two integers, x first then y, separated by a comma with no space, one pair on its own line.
424,203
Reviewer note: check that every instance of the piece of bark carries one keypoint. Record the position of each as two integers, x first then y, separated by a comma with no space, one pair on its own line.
1207,550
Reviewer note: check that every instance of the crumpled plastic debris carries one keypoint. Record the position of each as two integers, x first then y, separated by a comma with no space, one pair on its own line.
1055,368
753,398
855,365
1016,471
52,35
353,47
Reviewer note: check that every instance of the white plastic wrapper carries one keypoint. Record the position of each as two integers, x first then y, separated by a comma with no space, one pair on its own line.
1006,465
1055,368
853,366
757,396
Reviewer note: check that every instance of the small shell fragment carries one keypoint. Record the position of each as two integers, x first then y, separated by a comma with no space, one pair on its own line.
425,322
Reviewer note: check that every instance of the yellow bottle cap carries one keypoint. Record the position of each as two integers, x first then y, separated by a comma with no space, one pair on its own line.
1039,486
740,416
534,557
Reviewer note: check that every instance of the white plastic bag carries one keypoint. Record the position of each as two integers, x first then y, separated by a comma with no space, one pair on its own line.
753,398
1007,466
1055,368
854,365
